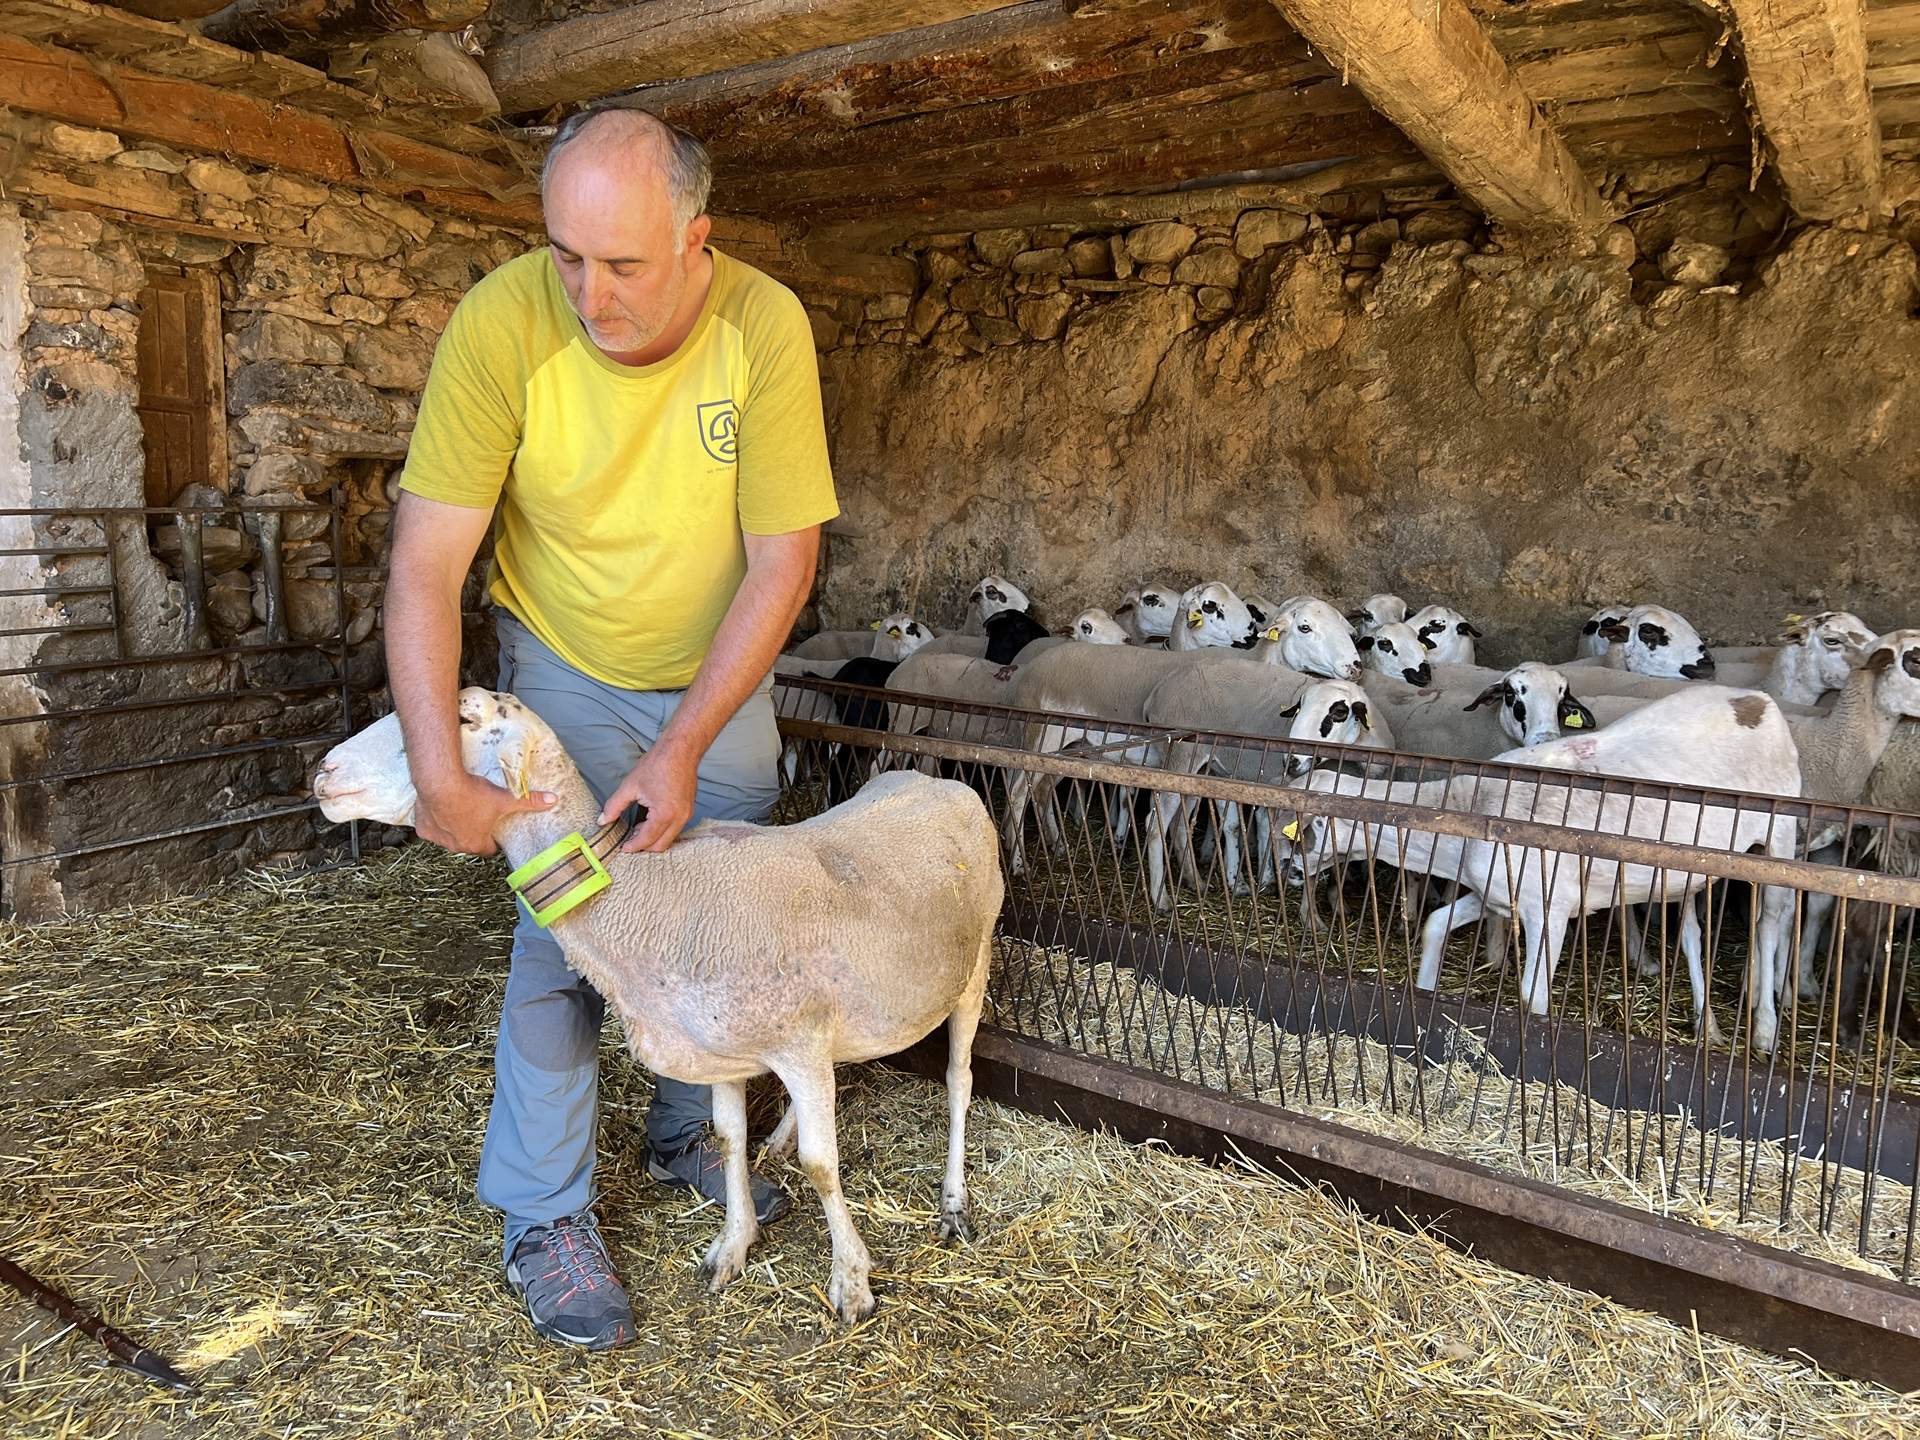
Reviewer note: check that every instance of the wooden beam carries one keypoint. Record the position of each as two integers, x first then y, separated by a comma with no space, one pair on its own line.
309,27
62,85
1430,69
1038,45
595,55
1807,72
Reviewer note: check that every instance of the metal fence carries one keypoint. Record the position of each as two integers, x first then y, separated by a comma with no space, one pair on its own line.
152,709
1491,964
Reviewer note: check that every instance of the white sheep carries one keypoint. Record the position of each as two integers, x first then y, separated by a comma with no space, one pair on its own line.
1595,641
1095,626
1149,611
993,594
1377,610
746,949
1662,642
1447,634
1393,650
1211,615
898,635
1709,736
1811,658
1309,635
828,645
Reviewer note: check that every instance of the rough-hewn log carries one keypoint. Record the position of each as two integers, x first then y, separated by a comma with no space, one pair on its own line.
1004,53
594,55
1807,69
172,9
305,26
62,85
429,71
1430,69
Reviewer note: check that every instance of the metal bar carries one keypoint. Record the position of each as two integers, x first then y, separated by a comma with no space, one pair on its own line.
53,549
98,511
165,702
340,612
59,591
1835,1119
62,667
1856,1324
179,832
94,629
270,564
100,771
1755,869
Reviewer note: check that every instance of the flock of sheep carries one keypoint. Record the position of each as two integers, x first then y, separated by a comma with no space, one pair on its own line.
1816,715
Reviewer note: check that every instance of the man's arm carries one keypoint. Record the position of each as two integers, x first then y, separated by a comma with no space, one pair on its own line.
779,578
433,548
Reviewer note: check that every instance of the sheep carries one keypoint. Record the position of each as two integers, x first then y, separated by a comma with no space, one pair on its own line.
1447,634
1393,650
1149,611
1309,635
1090,684
1839,752
1593,644
1096,627
1814,655
1661,642
987,599
899,635
1535,703
1378,610
834,645
746,949
1245,698
1709,736
1210,615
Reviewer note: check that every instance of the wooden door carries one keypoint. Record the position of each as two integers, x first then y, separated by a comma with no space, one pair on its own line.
182,403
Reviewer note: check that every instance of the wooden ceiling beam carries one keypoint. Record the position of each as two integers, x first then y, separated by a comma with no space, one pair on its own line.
591,56
309,28
1431,69
1807,73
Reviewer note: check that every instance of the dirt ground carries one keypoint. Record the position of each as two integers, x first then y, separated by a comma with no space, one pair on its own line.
244,1128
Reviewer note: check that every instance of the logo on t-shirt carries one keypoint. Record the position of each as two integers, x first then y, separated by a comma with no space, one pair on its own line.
719,430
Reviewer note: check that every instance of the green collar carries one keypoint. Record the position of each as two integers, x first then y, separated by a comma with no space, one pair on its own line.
567,873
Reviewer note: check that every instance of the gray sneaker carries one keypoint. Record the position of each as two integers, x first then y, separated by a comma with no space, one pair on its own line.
563,1273
702,1166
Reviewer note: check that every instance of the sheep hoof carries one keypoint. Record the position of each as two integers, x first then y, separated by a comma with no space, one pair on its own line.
1714,1034
725,1262
954,1225
1809,988
849,1294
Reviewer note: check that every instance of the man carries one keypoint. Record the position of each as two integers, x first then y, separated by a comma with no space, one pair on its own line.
646,414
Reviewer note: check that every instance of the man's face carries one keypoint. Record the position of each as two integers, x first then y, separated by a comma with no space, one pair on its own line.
622,260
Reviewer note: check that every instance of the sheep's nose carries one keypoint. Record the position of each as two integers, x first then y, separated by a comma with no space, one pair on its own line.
1421,677
1352,672
317,781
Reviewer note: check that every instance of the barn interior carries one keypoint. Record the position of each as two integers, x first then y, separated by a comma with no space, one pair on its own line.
1526,306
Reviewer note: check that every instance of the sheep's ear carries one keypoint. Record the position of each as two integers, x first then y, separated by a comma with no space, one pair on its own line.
1575,716
1357,617
1125,606
1426,641
1467,628
1614,631
1488,696
1363,642
1880,659
1291,711
1791,636
1360,714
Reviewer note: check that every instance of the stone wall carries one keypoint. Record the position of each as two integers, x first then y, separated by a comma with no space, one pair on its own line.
1714,410
331,301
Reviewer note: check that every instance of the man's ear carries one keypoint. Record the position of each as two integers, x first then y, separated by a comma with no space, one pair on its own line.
698,232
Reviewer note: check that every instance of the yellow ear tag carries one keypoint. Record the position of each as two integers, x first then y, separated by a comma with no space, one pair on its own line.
1574,722
1273,632
519,779
874,626
1291,830
1193,619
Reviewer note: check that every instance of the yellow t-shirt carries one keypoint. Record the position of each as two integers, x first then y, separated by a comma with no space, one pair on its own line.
624,489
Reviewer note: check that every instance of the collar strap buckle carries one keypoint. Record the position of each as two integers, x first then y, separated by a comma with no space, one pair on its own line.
566,874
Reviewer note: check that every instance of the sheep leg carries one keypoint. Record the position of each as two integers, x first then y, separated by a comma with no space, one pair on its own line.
1433,935
1766,967
1813,924
961,1025
810,1083
1696,970
780,1142
1166,805
727,1256
1543,935
1019,792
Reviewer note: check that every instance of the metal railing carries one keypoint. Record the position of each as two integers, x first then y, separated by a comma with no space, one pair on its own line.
94,647
1188,905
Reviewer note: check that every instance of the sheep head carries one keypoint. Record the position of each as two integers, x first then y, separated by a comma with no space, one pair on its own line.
367,777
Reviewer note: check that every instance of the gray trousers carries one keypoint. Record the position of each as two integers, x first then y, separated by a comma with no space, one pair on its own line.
537,1162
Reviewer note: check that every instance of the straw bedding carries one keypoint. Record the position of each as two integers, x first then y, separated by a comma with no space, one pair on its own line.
244,1127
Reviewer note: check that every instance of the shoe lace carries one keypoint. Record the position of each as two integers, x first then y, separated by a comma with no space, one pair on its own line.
574,1246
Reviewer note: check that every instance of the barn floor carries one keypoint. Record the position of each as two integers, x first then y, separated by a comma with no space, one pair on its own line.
244,1126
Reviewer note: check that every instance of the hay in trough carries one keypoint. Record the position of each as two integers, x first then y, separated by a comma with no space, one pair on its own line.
244,1127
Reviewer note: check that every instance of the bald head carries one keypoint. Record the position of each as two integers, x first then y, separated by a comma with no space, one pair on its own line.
635,146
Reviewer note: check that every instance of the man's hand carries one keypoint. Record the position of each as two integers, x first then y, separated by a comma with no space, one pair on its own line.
663,783
461,813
